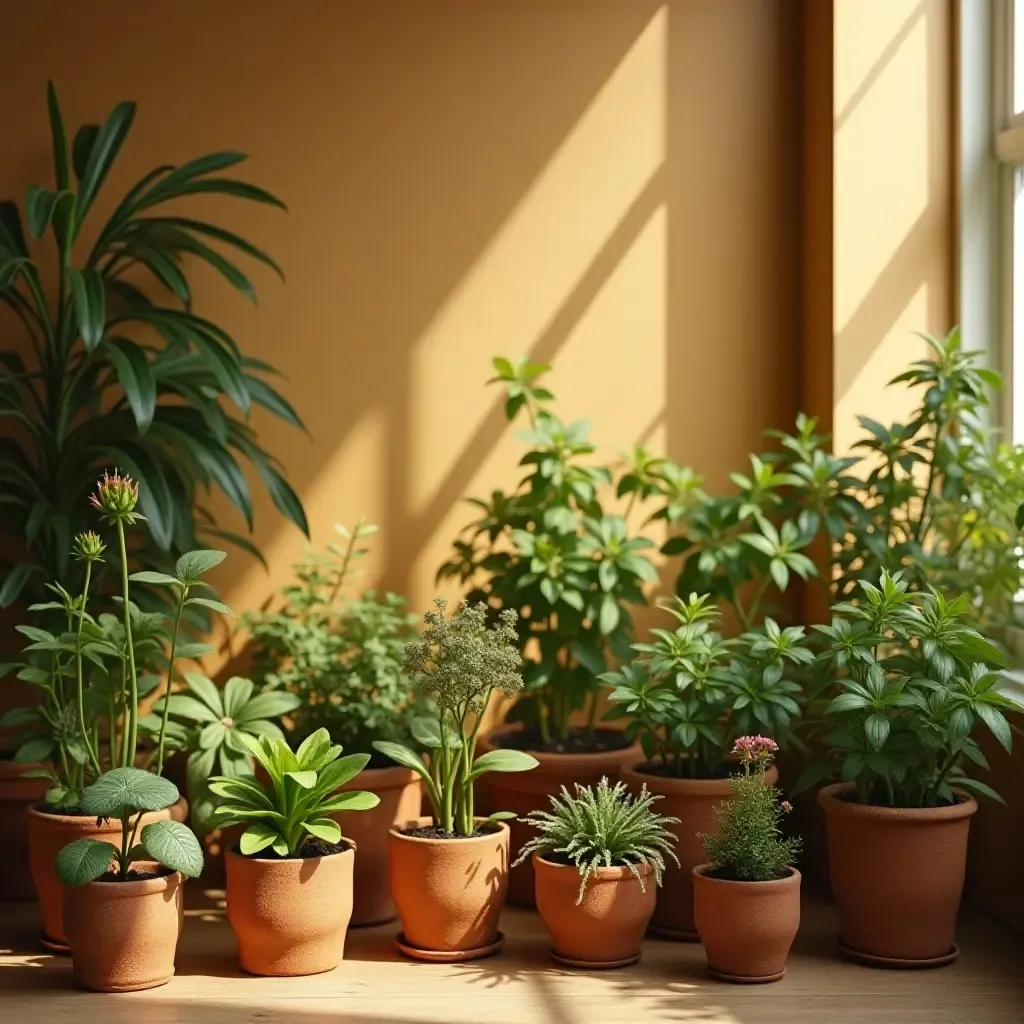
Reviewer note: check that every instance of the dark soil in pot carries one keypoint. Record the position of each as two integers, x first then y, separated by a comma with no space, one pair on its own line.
579,741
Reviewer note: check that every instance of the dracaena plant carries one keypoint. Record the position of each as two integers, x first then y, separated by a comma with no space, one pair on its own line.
459,663
691,692
298,800
915,682
116,365
551,552
125,795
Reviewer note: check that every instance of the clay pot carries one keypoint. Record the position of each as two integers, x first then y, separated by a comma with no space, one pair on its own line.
607,928
48,834
522,792
290,916
747,927
16,793
897,874
693,802
124,934
449,892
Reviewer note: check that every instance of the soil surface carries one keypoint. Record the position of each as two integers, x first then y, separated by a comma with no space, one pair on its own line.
310,848
580,741
560,858
664,771
433,832
851,798
67,812
135,876
724,876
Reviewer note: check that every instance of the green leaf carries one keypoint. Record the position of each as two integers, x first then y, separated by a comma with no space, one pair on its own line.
89,296
609,616
997,724
427,732
323,828
215,606
123,790
206,690
282,494
136,377
194,564
35,751
402,755
877,730
58,138
15,582
501,816
237,691
269,704
981,788
503,761
156,578
102,148
174,845
305,779
356,800
84,861
258,837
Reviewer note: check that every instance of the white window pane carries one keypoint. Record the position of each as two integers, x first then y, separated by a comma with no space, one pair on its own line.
1017,304
1018,56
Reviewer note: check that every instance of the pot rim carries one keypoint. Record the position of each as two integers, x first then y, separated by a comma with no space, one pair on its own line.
422,822
828,799
618,872
279,863
594,760
790,880
132,889
74,821
691,787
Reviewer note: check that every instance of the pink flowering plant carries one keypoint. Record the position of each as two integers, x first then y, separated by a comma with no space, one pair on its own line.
749,845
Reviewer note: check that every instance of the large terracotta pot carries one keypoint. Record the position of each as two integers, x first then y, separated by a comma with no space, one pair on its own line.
522,792
48,834
400,799
606,929
124,934
897,874
290,916
693,802
16,793
747,927
449,892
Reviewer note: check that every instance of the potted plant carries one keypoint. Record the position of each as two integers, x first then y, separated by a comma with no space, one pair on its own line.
342,658
915,682
449,872
746,897
687,697
289,881
570,569
598,860
123,900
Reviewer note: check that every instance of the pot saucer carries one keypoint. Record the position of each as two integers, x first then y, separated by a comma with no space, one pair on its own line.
897,963
672,934
593,965
743,979
52,945
455,956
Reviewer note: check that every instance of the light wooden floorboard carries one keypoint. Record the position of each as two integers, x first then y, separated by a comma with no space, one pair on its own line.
521,986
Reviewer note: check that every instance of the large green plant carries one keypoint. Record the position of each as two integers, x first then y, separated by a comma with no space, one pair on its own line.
115,366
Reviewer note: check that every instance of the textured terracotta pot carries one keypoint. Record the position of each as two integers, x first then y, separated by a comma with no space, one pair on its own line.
290,917
607,928
16,794
693,802
124,934
449,892
897,875
747,927
522,792
48,834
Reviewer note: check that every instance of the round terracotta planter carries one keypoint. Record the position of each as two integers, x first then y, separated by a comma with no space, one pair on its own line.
607,928
693,802
522,792
897,875
48,834
16,794
449,892
747,927
124,934
290,916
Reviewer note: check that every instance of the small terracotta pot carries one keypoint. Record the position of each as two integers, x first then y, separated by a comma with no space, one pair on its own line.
124,934
897,875
449,892
291,916
48,834
693,802
747,927
607,928
16,793
522,792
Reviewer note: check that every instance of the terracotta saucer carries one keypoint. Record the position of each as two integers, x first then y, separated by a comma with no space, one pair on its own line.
593,965
52,945
434,956
896,963
742,979
672,934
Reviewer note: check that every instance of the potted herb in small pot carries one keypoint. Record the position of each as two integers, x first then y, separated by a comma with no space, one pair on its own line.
746,898
449,873
914,683
598,861
289,882
687,698
123,921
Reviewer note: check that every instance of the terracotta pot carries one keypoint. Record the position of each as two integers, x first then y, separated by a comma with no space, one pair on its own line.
607,928
522,792
124,934
400,795
693,802
291,916
897,874
449,892
16,793
48,834
747,927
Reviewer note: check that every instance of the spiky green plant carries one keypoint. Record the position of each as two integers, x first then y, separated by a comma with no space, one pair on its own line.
603,826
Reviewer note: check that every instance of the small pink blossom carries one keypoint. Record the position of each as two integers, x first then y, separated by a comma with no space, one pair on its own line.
755,749
786,807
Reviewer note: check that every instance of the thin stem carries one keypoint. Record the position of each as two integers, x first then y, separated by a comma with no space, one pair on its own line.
79,686
133,708
170,679
122,855
124,700
345,562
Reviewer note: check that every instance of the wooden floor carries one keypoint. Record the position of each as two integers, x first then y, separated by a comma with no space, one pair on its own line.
520,986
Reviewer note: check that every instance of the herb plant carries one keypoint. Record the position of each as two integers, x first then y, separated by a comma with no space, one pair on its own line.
459,663
603,826
299,797
748,845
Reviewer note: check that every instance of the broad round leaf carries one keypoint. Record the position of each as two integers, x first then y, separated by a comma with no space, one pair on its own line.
323,828
258,837
123,790
173,844
84,861
504,761
193,564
